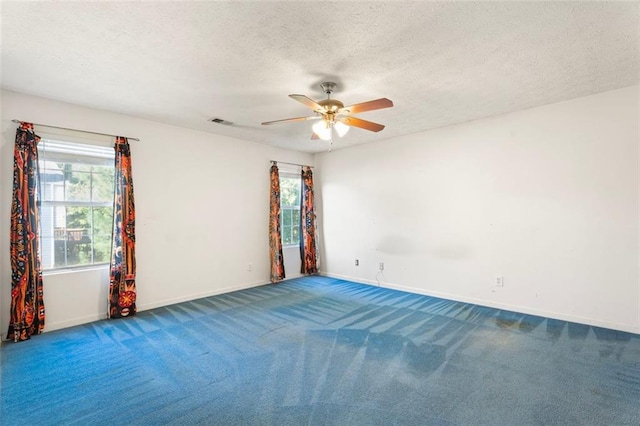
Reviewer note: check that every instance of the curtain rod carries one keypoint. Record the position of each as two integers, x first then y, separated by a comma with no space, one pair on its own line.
74,130
291,164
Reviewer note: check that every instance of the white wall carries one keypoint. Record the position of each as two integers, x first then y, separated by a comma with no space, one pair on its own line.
202,212
547,198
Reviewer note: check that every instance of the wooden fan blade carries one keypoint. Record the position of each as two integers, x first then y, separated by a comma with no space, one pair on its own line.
363,124
308,102
314,136
315,117
366,106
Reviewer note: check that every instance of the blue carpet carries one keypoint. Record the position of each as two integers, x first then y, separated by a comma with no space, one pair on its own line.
322,351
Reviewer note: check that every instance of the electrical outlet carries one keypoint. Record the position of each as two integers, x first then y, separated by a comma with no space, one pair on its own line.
500,281
250,267
357,262
381,266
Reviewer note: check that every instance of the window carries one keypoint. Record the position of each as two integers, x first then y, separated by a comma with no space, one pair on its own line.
290,209
76,209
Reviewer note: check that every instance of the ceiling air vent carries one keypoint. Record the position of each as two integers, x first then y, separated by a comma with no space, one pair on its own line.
221,121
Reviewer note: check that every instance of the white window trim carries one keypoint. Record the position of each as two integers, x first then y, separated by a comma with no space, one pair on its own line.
73,137
291,174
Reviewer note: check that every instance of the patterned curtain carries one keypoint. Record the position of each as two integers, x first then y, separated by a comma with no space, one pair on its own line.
122,287
308,245
275,239
27,304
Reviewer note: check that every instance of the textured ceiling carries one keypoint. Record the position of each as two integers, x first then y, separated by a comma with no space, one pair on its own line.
440,63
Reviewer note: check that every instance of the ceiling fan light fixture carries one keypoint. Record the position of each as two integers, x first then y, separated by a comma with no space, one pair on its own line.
334,114
341,128
323,129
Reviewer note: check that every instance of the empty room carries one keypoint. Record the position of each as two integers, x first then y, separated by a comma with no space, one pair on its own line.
320,213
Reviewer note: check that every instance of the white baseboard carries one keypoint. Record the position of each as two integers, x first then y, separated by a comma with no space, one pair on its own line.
194,296
144,307
491,304
293,277
482,302
67,323
74,321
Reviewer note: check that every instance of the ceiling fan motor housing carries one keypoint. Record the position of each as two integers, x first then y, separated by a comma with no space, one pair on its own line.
331,106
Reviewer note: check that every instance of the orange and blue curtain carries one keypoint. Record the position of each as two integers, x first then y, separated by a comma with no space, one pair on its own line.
27,303
275,239
122,283
308,243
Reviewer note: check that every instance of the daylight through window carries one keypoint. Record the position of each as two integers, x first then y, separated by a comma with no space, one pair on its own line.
290,209
76,212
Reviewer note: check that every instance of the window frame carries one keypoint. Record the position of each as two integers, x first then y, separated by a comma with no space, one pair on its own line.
292,208
71,151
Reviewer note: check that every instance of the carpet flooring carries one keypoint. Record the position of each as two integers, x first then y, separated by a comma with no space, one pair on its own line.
322,351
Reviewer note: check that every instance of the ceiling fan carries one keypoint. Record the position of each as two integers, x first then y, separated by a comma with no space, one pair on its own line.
334,115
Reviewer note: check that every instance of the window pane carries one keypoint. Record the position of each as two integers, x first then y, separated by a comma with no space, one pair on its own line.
289,191
101,248
59,217
296,194
102,184
79,252
58,192
286,217
60,253
107,170
286,235
51,176
79,167
47,252
285,195
78,222
102,220
78,185
295,231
